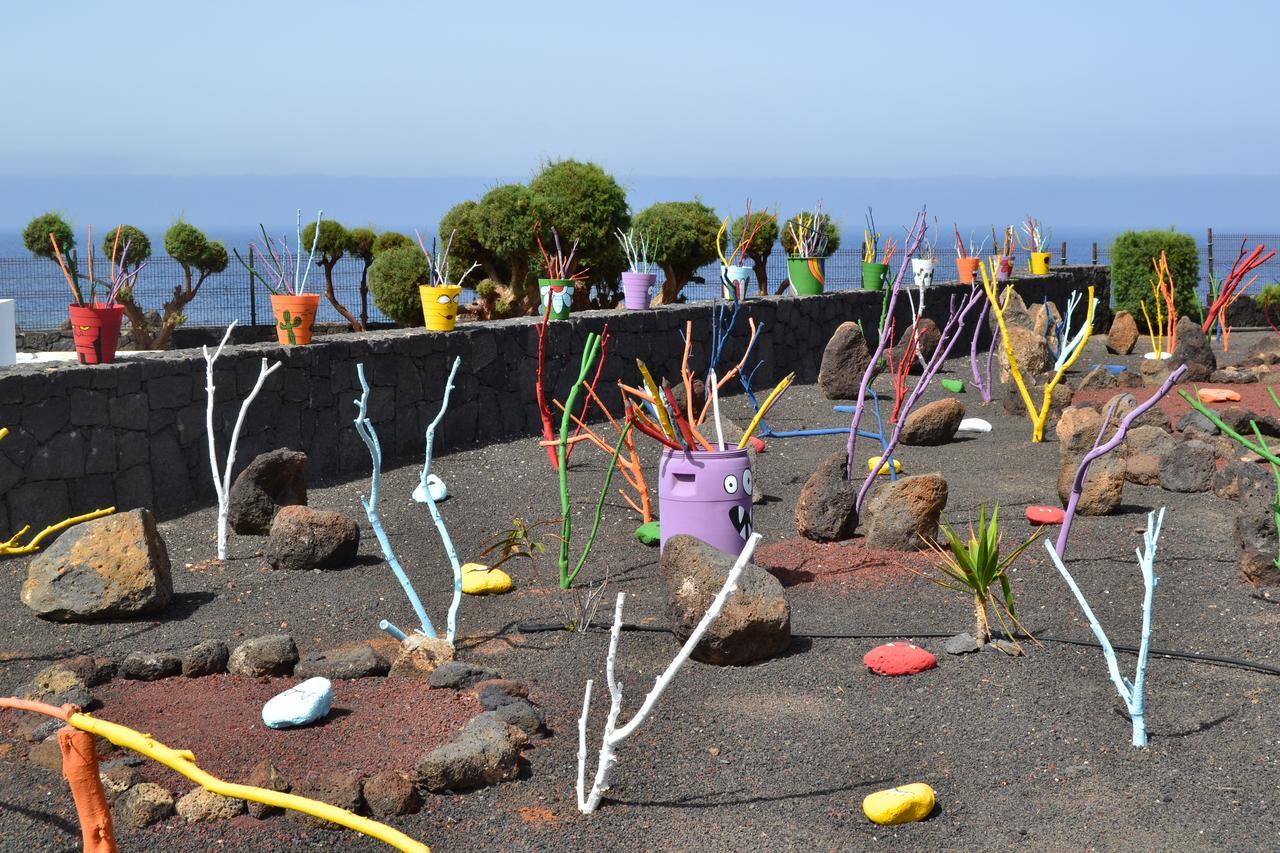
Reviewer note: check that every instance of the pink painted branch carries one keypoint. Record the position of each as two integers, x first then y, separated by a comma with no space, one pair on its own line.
983,387
1100,450
914,236
950,334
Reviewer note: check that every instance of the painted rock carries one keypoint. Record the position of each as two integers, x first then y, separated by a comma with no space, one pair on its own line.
1218,395
884,469
304,703
974,425
955,386
1045,515
899,659
1116,369
902,804
482,580
435,486
649,533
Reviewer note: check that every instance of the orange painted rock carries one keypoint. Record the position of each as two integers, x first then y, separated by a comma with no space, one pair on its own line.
899,659
1045,515
1218,395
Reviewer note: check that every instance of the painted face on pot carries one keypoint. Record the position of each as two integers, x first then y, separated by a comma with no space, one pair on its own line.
739,515
444,301
556,296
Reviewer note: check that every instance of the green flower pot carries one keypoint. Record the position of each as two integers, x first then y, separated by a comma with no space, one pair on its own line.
558,293
873,275
808,276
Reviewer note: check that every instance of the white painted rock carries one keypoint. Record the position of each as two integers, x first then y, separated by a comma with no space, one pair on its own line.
304,703
974,425
435,485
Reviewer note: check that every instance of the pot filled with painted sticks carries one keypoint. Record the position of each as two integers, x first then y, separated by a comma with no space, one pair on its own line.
285,278
875,272
735,275
641,273
95,323
925,262
1036,243
809,239
440,297
560,284
968,257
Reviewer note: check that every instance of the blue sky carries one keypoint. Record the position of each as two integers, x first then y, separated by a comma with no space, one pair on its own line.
686,88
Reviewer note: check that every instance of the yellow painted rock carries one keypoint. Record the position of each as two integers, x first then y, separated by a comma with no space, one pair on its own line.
482,580
884,469
902,804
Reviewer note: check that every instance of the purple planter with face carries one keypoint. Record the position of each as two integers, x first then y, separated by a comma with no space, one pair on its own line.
706,494
636,288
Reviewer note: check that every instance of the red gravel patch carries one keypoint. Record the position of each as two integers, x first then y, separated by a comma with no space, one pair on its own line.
376,724
1252,396
847,566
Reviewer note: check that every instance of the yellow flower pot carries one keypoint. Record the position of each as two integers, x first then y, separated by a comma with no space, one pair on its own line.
440,306
1040,263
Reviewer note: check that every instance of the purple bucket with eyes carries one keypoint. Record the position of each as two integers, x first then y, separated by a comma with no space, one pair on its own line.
706,494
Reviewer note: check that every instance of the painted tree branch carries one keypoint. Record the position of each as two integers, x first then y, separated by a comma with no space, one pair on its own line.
544,411
614,734
365,428
222,481
983,385
451,630
1099,450
1133,693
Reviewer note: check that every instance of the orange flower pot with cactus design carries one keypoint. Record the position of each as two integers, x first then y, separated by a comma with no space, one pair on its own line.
294,316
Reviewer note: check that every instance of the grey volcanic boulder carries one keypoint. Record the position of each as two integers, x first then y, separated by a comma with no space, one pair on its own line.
150,666
389,793
358,660
1144,450
755,622
274,654
1030,350
270,481
1123,336
1238,478
1194,351
844,361
1103,483
825,509
306,538
1188,468
206,658
142,805
933,424
485,752
1255,540
903,515
104,568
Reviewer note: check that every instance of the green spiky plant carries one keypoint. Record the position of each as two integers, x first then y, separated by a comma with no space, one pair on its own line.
974,565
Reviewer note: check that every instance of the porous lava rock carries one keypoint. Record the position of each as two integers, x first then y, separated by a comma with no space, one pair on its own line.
933,424
271,480
306,538
1123,335
486,751
825,510
844,361
903,515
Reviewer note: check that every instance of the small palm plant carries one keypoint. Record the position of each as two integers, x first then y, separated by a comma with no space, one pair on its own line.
974,566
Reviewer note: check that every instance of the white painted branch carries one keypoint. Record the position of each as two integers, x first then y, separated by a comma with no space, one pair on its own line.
613,735
451,629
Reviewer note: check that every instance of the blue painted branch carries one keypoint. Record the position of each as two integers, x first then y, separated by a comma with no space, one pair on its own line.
451,629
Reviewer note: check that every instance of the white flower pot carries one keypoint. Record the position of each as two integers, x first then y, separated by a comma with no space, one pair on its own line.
922,271
8,333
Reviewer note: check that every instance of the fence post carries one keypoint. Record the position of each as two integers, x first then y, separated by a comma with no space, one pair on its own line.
1210,253
1064,253
253,301
1095,253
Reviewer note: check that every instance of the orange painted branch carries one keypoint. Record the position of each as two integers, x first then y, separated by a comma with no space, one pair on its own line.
80,768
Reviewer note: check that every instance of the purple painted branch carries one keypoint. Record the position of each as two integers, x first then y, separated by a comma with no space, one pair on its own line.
1099,450
983,387
914,236
950,334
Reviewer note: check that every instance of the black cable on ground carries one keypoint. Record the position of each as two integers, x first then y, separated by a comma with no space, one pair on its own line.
1174,654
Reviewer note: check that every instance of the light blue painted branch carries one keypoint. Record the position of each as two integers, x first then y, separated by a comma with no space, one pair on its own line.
1131,692
1066,348
445,539
365,429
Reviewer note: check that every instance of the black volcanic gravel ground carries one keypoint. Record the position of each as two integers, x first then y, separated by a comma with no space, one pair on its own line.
1026,753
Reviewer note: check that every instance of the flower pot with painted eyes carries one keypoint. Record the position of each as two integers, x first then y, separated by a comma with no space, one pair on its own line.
294,316
922,271
1040,263
96,331
967,269
557,293
1004,271
637,288
440,306
874,275
808,275
706,494
734,280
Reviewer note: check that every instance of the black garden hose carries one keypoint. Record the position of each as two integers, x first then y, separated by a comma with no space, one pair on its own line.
1195,657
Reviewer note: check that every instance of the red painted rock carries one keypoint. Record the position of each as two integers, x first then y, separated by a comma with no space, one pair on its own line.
1218,395
1045,515
899,659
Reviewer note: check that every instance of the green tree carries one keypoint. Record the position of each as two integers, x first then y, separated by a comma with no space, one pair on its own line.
832,230
765,225
394,277
684,233
36,238
199,258
360,245
466,249
390,240
331,245
1132,272
504,220
133,248
586,204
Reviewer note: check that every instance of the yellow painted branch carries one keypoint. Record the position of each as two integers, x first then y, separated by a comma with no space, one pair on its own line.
183,761
1037,424
988,285
10,548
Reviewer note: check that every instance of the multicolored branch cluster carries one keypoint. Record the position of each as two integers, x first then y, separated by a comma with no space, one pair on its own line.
809,233
1164,331
121,279
1233,288
559,266
1036,234
871,244
638,251
438,264
970,249
288,275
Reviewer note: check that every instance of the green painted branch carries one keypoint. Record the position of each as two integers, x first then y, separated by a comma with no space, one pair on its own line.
589,353
604,490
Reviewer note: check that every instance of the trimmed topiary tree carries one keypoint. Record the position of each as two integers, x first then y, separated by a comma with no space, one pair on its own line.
504,222
132,250
1132,273
360,246
766,235
390,240
684,234
36,238
199,258
394,278
331,245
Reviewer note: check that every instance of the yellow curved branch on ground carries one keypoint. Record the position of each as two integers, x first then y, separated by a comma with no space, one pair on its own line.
1039,416
10,547
183,761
